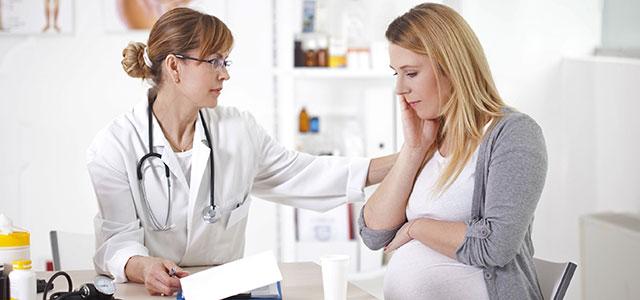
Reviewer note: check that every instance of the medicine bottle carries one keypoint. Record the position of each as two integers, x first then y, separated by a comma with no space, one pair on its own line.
303,120
22,280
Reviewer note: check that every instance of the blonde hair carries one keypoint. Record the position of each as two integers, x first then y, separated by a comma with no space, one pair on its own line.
177,31
441,34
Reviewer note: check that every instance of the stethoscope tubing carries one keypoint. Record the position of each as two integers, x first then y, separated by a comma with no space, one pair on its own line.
209,215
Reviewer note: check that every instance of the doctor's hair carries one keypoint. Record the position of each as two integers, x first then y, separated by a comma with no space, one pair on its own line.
441,34
176,32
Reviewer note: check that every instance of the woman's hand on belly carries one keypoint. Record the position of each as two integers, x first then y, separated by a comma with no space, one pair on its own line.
155,272
402,237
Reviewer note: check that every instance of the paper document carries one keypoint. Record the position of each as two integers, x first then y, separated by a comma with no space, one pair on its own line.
232,278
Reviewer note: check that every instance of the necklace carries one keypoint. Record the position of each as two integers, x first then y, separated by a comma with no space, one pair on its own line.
181,148
176,146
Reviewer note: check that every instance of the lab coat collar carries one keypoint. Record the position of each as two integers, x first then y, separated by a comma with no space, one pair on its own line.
199,166
161,145
141,113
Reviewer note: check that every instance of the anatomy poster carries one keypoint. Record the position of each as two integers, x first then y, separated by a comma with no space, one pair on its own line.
36,16
123,15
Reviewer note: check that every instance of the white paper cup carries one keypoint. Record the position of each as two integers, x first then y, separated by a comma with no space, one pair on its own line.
334,276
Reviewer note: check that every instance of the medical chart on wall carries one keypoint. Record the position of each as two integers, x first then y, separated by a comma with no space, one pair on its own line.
36,16
125,15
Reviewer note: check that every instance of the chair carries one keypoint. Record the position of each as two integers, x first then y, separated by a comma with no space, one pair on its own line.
72,251
554,278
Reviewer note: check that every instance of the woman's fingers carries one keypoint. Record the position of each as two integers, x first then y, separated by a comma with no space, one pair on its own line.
395,244
403,102
401,238
430,130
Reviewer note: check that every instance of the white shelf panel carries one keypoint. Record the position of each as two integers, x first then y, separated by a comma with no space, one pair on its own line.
336,73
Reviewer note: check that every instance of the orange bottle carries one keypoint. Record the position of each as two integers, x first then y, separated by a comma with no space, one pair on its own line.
303,120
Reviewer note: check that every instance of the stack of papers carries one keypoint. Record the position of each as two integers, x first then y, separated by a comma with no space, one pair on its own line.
254,277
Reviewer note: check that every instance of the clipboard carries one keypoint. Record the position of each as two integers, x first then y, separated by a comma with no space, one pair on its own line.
272,291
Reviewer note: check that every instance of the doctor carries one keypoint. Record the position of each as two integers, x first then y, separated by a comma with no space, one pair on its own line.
173,177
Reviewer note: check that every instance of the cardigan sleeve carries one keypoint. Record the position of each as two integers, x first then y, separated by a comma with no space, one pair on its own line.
514,180
372,238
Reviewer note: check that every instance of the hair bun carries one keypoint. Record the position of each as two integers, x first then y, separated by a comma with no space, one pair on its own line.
133,60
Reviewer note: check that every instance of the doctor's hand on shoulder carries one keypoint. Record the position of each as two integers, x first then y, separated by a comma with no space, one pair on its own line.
155,273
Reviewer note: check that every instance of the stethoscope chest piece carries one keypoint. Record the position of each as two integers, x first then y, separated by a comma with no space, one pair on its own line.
209,215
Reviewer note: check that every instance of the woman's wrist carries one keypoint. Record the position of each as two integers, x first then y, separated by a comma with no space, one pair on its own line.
411,150
411,228
414,152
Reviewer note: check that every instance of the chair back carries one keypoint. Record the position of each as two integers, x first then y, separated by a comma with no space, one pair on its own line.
554,278
72,251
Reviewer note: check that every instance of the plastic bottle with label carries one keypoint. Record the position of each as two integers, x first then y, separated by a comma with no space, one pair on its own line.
14,243
22,280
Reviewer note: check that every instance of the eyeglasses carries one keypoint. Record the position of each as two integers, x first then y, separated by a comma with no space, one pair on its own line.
217,63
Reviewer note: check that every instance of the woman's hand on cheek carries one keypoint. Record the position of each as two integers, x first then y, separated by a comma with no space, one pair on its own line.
418,134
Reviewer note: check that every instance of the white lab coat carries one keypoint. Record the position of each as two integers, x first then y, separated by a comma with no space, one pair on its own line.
247,161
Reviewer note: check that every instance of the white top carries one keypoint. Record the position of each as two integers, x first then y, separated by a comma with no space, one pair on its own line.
248,162
416,271
184,160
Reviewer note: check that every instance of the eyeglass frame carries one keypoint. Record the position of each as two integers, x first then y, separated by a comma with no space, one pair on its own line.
217,62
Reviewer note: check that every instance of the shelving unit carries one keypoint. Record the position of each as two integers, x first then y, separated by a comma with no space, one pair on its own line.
334,73
363,99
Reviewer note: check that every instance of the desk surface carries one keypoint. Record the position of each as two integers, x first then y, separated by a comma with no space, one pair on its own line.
299,281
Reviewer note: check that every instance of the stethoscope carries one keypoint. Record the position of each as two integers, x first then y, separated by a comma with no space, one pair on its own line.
209,214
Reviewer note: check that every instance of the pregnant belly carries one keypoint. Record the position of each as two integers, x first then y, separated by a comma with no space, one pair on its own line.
415,271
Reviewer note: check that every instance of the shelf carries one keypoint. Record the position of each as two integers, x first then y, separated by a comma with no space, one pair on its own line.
335,73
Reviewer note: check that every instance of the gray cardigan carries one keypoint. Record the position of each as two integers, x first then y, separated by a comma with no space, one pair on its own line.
509,177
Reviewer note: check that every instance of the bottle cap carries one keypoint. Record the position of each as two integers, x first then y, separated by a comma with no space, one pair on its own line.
24,264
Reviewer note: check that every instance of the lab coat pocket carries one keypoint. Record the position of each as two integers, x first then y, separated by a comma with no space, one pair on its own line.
240,212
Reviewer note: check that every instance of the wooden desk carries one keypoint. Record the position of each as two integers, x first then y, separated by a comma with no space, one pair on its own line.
299,281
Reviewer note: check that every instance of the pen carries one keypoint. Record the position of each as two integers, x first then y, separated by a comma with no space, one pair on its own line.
172,272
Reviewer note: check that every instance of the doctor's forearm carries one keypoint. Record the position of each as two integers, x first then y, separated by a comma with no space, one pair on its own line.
379,168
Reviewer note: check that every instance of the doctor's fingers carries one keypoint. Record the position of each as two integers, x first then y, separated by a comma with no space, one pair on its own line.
182,273
179,272
156,287
167,280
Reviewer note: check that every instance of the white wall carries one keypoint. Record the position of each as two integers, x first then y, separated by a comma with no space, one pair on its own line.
56,92
585,110
525,42
597,164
